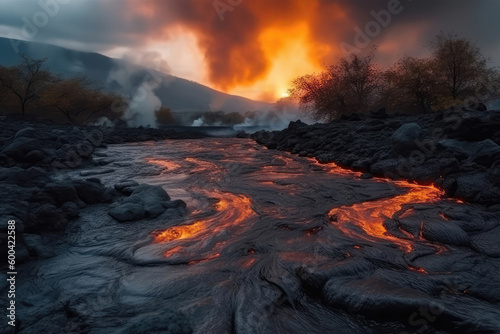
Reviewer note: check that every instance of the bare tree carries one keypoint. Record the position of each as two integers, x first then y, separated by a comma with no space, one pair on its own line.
76,100
460,65
352,85
413,83
360,77
25,81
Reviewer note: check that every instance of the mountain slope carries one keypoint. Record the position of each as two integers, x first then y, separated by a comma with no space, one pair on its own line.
119,76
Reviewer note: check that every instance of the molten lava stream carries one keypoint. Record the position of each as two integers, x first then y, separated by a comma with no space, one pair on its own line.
232,210
370,216
170,165
214,172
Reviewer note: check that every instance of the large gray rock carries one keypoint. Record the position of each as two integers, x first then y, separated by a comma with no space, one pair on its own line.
62,192
478,187
145,202
128,212
31,176
387,167
21,146
91,191
126,187
403,139
485,152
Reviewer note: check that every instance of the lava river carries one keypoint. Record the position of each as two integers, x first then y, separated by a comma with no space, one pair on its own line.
275,243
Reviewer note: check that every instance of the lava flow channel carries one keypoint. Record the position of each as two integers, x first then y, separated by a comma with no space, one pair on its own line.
170,165
371,215
232,210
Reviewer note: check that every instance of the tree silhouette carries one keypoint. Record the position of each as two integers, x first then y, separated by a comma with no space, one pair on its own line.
76,100
25,81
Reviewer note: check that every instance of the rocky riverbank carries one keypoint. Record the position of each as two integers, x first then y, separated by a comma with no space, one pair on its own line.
31,154
457,150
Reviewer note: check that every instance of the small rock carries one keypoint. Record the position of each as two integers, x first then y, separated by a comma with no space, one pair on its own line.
25,133
34,156
71,210
126,187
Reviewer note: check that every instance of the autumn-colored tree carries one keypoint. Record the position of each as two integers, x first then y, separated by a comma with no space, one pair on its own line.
320,95
25,82
352,85
80,103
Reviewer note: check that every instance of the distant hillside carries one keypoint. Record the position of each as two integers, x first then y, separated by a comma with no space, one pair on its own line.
116,75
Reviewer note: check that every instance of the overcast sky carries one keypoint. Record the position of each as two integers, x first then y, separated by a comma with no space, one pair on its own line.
252,47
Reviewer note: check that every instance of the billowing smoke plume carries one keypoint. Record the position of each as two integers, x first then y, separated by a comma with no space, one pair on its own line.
139,85
245,42
241,42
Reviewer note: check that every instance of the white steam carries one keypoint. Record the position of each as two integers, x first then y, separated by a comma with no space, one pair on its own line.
139,84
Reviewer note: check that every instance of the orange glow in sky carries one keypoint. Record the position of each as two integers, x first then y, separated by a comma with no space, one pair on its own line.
289,58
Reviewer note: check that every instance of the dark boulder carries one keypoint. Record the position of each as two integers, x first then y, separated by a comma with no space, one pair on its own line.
62,192
34,156
404,139
126,187
71,210
91,191
25,133
48,218
479,106
381,113
481,187
33,176
485,152
145,202
128,212
386,168
21,146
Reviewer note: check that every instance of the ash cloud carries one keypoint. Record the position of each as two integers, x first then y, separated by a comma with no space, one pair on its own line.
231,48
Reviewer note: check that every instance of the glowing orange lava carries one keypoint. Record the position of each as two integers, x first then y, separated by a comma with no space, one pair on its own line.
232,209
170,165
211,169
333,168
371,215
179,232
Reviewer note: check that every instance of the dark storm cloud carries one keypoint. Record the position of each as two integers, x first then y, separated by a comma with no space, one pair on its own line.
231,46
